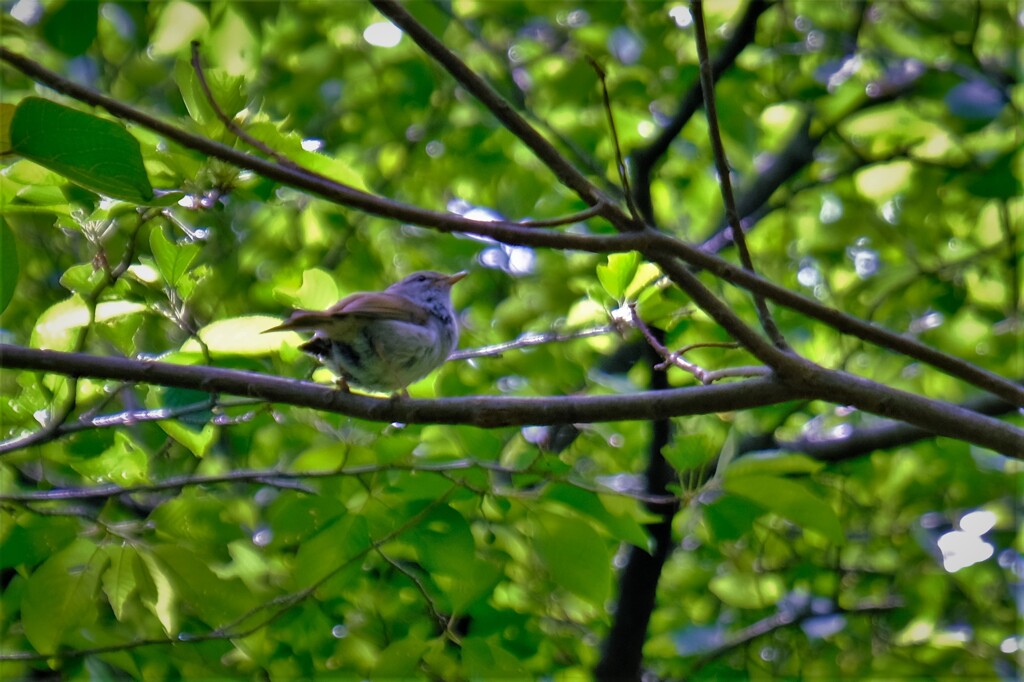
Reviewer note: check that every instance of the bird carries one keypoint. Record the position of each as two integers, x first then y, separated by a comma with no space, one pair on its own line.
383,341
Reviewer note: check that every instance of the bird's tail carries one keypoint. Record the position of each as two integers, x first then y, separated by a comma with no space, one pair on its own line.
301,320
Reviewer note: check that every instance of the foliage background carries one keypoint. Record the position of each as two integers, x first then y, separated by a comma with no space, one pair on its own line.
875,149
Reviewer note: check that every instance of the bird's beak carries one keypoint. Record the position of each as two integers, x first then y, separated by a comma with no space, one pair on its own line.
456,277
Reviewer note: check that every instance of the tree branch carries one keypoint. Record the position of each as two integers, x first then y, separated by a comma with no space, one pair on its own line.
724,172
650,242
304,179
504,112
646,157
486,412
836,319
284,479
846,389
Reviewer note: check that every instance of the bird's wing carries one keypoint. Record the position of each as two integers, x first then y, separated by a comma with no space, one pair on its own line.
380,305
338,318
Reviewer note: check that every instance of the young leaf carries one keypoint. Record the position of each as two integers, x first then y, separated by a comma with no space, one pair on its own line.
72,27
575,555
172,259
93,152
618,273
8,265
120,580
59,594
791,500
238,336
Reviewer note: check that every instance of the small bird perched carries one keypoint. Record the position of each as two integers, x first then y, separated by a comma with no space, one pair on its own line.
384,340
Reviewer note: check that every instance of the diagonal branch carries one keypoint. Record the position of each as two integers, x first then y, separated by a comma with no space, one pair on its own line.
847,389
836,319
649,242
503,231
504,112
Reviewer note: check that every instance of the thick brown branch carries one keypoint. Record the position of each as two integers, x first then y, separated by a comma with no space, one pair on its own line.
806,380
838,320
650,242
503,231
487,412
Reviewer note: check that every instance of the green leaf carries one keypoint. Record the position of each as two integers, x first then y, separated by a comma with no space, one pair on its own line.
318,291
227,91
621,526
178,24
159,595
120,581
217,601
27,539
476,581
83,279
401,659
487,659
172,258
233,43
60,594
8,265
790,500
290,145
330,550
731,517
748,590
444,542
689,451
618,273
57,327
774,463
72,28
575,555
124,463
93,152
999,181
198,443
238,336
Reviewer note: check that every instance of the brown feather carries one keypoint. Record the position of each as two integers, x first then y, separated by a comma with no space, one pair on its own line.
337,321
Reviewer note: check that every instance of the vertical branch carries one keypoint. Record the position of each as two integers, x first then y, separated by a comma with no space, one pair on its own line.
622,652
722,164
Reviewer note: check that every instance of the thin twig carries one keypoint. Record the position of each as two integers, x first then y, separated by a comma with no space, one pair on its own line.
227,121
563,220
645,158
649,242
283,478
785,619
674,358
530,339
620,162
444,622
721,162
